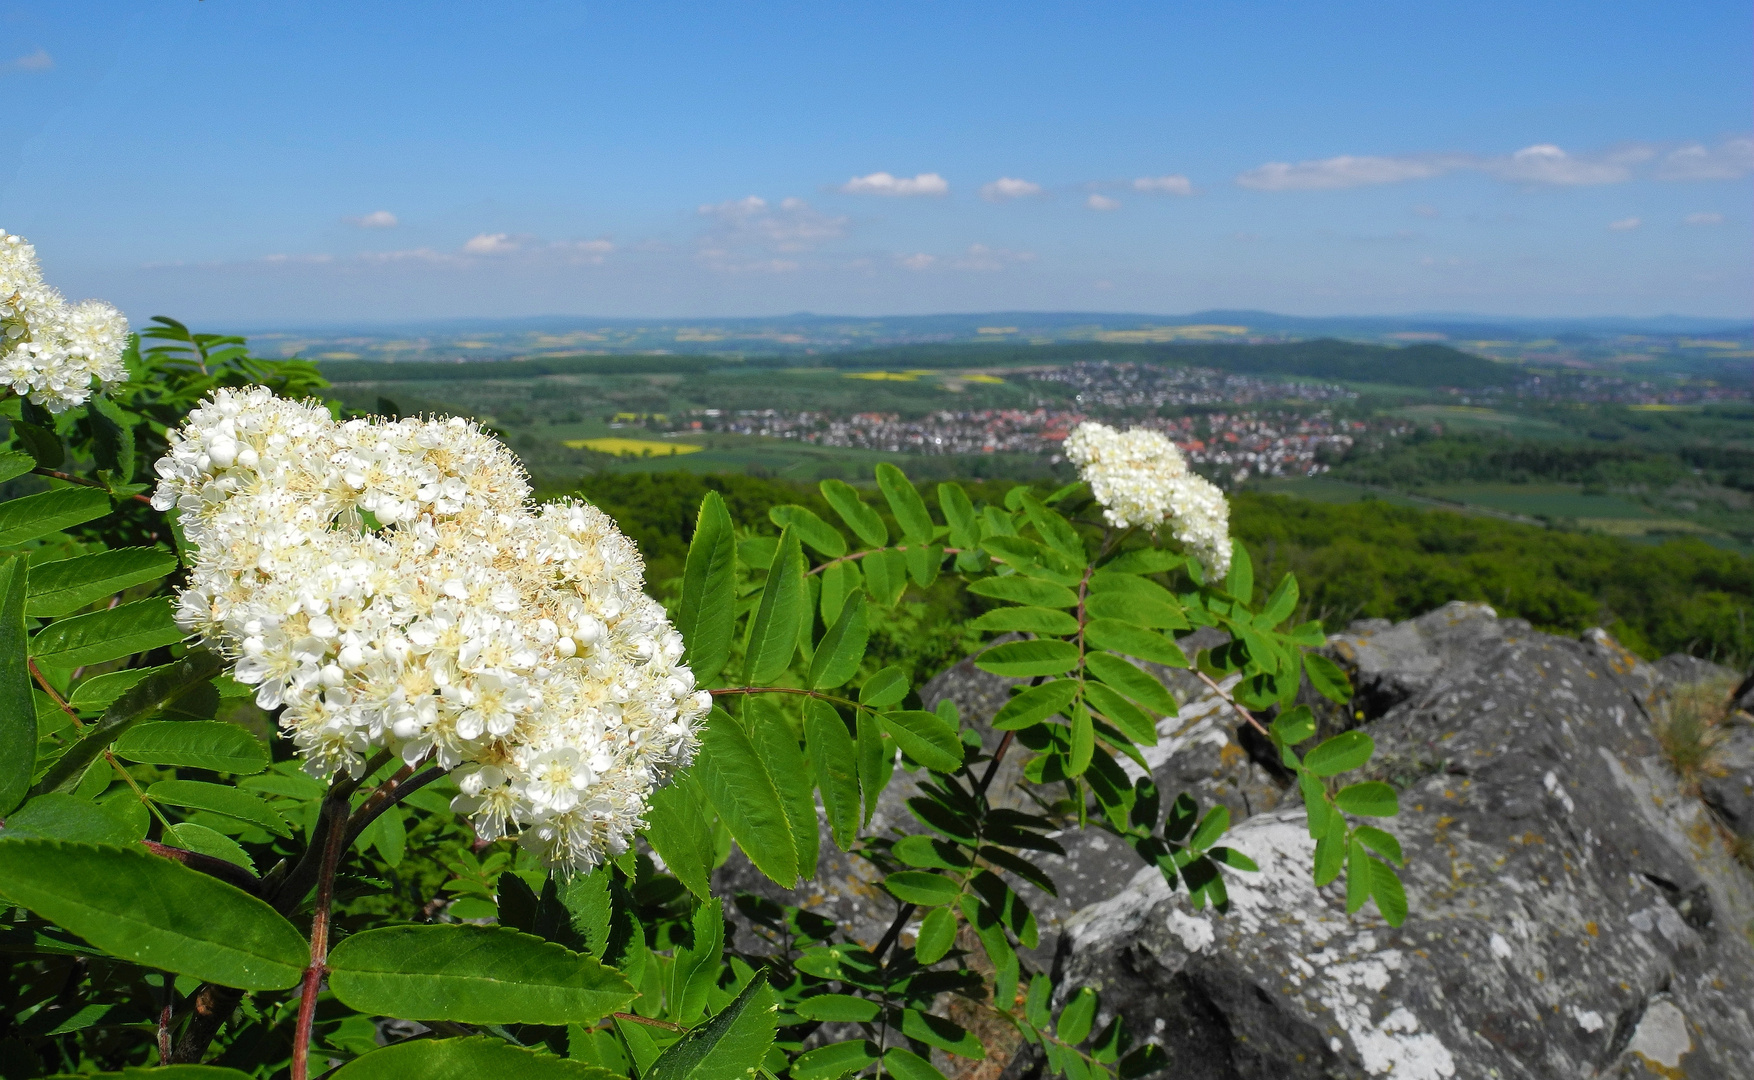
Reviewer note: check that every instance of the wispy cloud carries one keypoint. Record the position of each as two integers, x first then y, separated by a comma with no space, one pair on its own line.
39,60
982,257
1164,185
917,261
792,226
1626,224
1728,160
1704,219
1333,173
1102,202
490,244
1009,187
1543,164
377,219
1548,164
882,183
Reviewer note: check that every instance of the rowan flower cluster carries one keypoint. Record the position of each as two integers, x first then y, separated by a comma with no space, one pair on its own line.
1140,479
51,350
388,585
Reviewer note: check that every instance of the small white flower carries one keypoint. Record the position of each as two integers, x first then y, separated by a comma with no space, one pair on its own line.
1140,479
51,350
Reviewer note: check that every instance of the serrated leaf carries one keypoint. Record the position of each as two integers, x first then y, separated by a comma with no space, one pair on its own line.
59,816
709,590
837,1008
1387,891
1023,590
107,635
822,537
1076,1018
907,1065
38,437
1330,852
923,563
905,503
840,582
1327,678
49,511
1240,583
1122,637
1381,842
14,464
194,744
1372,798
18,724
155,912
1083,742
1342,753
945,1034
1138,685
219,799
112,437
1129,718
694,974
836,758
1028,620
773,630
920,887
1054,529
677,829
1020,659
473,975
842,648
729,1046
1236,860
876,762
1358,876
1295,725
468,1058
835,1060
199,838
959,515
771,734
1214,825
865,522
748,800
1281,604
926,737
1144,561
1035,704
888,687
58,588
886,576
937,935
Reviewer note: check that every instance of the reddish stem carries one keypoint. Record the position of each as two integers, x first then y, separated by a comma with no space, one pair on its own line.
78,724
1228,700
334,842
83,482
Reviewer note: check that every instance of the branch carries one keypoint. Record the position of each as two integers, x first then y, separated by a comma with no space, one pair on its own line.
1222,693
229,872
857,555
83,482
388,794
78,724
336,810
634,1018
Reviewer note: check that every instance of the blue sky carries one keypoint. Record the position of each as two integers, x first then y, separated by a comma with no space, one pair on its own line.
295,163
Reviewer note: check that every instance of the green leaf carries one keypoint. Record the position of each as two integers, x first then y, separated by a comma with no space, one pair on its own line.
1382,843
1281,604
677,829
886,576
1035,704
888,687
38,437
864,521
842,648
100,691
926,737
1327,678
112,437
835,1060
1345,751
923,562
1386,890
907,1065
155,912
1232,858
730,1046
1054,529
1077,1017
468,1058
773,631
1358,876
59,816
709,590
1035,1005
937,935
876,762
772,736
220,799
49,511
1128,717
1083,742
1295,725
1138,685
840,580
944,1034
1330,852
18,714
1028,620
1139,610
107,635
1212,826
1144,561
199,838
838,1009
14,464
1121,637
959,515
922,849
920,887
473,975
1241,582
905,503
164,688
58,588
1022,590
194,744
822,537
695,972
746,797
836,758
1026,658
1371,798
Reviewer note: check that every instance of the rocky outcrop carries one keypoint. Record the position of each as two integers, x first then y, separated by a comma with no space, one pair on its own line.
1574,912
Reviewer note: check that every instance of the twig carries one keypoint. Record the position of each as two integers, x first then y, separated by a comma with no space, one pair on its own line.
390,793
229,872
83,482
335,810
1240,711
857,555
634,1018
72,714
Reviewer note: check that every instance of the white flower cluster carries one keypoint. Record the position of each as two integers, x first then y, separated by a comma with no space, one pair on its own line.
511,643
1139,477
50,349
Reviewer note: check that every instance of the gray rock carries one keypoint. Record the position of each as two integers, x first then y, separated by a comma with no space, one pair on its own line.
1574,914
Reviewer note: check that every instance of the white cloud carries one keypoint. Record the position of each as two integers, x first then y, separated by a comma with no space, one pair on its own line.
793,225
1728,160
1548,164
35,61
490,244
1164,185
1008,187
1704,219
882,183
377,219
1102,202
982,257
917,261
1338,172
1625,224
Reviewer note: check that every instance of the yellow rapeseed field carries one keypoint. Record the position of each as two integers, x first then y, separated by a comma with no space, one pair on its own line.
633,447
